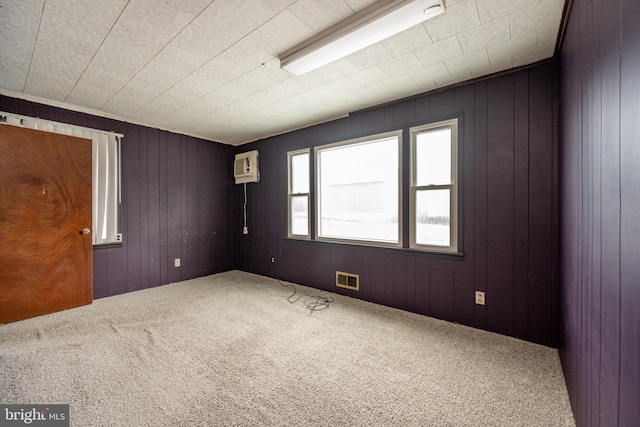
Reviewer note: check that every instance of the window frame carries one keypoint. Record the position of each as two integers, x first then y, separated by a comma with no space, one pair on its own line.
316,188
291,195
407,191
454,187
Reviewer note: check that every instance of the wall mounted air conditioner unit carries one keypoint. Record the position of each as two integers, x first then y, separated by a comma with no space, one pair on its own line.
245,167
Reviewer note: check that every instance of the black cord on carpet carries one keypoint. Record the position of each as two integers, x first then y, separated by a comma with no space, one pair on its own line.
293,294
319,303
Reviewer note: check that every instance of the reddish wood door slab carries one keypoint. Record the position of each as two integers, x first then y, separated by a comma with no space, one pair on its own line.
45,203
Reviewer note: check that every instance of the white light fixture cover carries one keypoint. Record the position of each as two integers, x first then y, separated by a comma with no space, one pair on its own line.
361,31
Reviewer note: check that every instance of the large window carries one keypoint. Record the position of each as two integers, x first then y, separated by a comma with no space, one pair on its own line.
357,190
434,186
357,196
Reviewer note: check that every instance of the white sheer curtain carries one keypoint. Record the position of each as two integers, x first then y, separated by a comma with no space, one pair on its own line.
106,171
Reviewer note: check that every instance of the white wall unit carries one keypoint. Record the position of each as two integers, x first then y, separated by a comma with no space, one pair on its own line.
245,167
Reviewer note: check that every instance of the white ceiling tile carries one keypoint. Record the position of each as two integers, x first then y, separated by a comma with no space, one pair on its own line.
190,89
462,65
189,52
144,28
201,82
19,22
167,68
284,106
205,105
412,39
324,92
504,51
230,112
453,79
426,85
546,44
313,79
284,32
203,39
372,95
493,9
494,67
127,102
323,111
370,76
249,84
426,77
488,10
95,91
251,122
482,36
259,100
147,85
297,102
338,69
457,18
155,111
285,90
77,29
439,51
208,36
553,11
404,64
224,23
526,58
317,113
370,56
245,55
202,126
544,14
400,87
177,120
321,14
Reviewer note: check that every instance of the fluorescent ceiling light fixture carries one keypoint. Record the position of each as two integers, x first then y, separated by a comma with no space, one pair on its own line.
360,31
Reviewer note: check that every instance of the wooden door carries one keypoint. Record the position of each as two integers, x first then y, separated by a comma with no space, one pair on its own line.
45,204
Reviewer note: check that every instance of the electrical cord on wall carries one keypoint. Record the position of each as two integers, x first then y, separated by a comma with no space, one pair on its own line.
245,230
319,303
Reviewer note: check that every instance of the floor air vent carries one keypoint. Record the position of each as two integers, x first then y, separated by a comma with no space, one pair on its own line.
348,281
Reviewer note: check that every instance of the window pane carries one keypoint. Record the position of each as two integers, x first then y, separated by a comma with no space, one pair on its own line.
433,217
433,157
300,173
105,188
359,191
300,215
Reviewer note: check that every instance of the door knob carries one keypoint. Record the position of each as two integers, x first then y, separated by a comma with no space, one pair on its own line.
86,231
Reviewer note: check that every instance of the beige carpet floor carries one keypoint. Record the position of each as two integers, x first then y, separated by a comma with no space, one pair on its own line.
229,349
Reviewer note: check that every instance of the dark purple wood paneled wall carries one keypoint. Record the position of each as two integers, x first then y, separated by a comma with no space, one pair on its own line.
510,210
176,203
600,139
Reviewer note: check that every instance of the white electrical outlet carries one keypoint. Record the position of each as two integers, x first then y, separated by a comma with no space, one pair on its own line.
177,262
273,259
479,297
